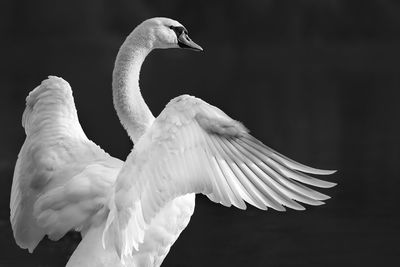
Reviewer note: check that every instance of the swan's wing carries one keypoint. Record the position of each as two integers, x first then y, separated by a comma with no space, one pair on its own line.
61,179
194,147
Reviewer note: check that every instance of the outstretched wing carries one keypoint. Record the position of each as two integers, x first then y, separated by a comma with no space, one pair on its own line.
61,179
194,147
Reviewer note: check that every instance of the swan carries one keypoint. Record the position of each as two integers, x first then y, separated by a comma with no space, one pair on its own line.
130,213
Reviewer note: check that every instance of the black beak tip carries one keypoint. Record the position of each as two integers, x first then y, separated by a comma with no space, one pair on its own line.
199,50
191,46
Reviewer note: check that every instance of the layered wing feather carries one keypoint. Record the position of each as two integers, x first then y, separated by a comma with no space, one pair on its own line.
194,147
61,179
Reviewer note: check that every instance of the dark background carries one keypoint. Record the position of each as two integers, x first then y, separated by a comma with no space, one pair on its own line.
317,80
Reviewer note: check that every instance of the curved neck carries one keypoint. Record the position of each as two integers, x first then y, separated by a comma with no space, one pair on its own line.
131,108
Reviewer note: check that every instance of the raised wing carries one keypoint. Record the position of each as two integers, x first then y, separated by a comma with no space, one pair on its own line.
194,147
61,179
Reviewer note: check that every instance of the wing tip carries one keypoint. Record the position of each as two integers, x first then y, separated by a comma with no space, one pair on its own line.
326,184
57,82
242,206
279,208
325,172
51,81
52,86
311,170
296,206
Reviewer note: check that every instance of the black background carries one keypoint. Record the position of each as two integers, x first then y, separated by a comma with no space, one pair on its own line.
317,80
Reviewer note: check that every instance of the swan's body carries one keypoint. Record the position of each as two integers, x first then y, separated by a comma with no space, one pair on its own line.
131,213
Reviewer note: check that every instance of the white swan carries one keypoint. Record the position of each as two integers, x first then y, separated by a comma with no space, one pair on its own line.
63,181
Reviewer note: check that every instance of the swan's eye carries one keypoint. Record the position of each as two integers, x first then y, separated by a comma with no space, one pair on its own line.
179,30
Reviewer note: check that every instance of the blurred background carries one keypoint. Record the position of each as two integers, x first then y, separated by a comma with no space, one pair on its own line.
317,80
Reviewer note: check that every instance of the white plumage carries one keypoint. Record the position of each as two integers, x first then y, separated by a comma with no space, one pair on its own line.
61,179
131,213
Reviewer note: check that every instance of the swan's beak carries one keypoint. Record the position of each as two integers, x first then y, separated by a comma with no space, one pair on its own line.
185,42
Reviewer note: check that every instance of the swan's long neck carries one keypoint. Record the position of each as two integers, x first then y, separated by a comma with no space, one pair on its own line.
131,108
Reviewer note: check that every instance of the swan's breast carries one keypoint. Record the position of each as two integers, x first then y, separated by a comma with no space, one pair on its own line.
164,230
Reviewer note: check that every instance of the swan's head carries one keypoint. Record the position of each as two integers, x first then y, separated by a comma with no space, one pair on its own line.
166,33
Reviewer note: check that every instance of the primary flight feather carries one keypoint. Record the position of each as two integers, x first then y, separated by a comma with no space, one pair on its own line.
130,214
